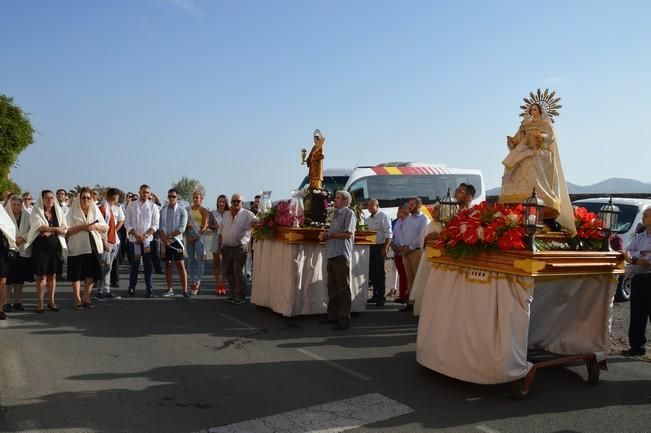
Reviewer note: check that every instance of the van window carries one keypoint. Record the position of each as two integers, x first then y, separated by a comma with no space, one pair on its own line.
393,191
627,214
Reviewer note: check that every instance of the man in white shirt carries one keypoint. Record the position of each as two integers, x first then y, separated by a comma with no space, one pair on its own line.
464,195
62,196
141,222
118,213
380,223
235,234
27,202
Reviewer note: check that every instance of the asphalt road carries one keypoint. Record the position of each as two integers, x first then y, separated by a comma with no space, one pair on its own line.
174,365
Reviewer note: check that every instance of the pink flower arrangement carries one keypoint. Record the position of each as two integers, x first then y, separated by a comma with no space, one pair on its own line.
278,216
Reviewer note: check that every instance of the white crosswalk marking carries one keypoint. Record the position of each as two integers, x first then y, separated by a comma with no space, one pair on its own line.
486,429
334,417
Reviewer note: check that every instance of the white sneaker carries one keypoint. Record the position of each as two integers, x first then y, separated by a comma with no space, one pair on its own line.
169,293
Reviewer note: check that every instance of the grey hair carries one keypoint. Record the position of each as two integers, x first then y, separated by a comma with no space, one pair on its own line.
346,196
373,200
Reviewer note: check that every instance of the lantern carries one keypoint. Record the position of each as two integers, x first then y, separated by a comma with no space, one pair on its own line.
449,207
532,218
609,215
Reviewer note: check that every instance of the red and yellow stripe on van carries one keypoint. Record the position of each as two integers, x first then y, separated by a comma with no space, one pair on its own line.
384,171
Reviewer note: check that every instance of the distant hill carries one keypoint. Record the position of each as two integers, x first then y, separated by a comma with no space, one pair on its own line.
609,186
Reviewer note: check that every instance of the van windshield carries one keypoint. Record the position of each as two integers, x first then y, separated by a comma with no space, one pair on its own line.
393,191
330,183
627,214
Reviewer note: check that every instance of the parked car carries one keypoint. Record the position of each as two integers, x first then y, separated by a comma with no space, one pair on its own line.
629,222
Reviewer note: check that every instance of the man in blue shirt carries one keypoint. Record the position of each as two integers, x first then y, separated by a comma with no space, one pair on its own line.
412,230
638,254
172,224
339,251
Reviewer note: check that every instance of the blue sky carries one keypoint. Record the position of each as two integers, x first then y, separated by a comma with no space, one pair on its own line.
126,92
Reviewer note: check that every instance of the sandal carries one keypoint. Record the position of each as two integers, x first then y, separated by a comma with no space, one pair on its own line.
40,310
79,307
89,305
52,307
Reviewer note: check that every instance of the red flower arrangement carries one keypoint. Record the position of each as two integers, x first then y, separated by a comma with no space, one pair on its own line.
483,227
589,229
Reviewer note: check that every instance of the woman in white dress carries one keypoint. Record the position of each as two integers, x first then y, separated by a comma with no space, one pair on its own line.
214,222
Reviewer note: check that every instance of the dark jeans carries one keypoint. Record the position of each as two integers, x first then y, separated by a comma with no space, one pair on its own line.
155,258
376,274
339,294
115,270
135,263
124,246
234,266
640,311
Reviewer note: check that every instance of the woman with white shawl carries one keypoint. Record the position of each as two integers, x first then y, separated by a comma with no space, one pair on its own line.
46,237
430,233
21,269
7,244
86,226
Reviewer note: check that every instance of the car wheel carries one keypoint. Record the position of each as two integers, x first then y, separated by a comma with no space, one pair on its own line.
623,289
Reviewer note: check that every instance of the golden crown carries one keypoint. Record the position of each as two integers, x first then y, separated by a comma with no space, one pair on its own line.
547,100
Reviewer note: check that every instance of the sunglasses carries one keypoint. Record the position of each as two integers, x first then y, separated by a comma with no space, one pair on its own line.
85,197
236,201
171,196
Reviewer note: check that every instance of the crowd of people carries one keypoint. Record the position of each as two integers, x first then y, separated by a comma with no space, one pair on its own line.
92,234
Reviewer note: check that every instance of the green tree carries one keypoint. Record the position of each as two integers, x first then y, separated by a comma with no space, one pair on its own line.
186,187
16,133
74,191
6,184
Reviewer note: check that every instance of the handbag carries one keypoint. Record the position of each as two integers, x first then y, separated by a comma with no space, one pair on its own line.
102,258
10,254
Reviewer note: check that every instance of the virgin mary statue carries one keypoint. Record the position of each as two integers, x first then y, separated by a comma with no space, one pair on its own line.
533,162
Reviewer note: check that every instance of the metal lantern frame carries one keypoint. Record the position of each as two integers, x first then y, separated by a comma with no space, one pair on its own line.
448,207
532,217
609,216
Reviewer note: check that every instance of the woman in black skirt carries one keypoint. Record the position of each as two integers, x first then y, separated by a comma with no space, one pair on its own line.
46,237
21,268
7,243
85,243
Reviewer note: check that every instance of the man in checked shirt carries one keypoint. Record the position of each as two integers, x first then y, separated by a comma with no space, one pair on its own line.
339,250
638,254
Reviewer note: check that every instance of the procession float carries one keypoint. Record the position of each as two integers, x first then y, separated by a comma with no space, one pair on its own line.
527,282
289,259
